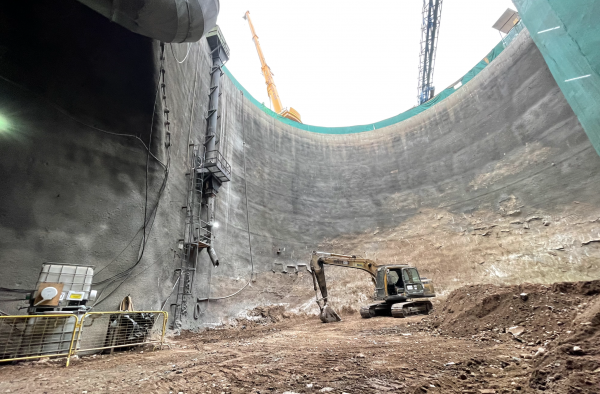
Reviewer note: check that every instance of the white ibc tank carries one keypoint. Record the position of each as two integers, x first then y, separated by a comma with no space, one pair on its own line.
75,278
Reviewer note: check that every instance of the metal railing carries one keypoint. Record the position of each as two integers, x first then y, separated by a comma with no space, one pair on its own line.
25,337
200,230
514,32
215,158
111,330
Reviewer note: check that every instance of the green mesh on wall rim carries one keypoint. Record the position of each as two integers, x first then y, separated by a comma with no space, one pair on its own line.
567,33
383,123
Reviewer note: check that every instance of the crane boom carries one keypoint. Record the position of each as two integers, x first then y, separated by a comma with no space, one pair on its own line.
432,13
268,74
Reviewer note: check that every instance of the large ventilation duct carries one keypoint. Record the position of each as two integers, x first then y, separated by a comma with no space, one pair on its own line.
164,20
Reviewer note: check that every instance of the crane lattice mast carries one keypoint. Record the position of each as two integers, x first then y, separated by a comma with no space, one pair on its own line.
432,13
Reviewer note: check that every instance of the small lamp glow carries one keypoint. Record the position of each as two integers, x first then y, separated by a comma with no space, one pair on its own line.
4,125
215,224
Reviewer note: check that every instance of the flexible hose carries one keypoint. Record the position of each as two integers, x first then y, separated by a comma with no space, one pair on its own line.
186,55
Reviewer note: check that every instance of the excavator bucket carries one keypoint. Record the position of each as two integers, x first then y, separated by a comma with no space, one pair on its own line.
328,315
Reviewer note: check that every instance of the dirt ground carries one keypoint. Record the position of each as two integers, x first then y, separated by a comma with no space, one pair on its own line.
469,345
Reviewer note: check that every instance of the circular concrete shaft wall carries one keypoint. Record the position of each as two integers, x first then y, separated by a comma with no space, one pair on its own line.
493,184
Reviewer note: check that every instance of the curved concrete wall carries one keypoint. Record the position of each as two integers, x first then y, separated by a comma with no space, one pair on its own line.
494,184
79,93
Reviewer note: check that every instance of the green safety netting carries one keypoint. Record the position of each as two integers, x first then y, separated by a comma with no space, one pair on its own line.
568,36
383,123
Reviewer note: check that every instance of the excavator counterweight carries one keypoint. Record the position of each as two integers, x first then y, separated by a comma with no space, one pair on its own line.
399,290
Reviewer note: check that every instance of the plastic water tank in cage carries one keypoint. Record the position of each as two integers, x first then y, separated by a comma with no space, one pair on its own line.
74,282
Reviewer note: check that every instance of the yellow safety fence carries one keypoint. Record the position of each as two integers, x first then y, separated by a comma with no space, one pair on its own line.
25,337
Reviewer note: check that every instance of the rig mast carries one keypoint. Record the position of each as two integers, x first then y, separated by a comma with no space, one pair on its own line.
432,14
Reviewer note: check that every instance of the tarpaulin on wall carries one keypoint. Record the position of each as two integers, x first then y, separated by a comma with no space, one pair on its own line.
383,123
567,34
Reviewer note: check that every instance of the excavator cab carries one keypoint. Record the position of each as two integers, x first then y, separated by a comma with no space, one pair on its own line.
395,283
412,282
400,283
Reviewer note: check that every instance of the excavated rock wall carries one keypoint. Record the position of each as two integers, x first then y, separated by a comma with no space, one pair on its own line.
495,184
81,96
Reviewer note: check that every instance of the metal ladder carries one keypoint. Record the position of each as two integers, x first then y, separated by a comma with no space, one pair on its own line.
196,236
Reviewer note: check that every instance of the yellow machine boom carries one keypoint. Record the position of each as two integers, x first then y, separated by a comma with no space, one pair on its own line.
399,290
290,113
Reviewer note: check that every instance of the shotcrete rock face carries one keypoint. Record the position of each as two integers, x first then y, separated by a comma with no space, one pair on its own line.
494,184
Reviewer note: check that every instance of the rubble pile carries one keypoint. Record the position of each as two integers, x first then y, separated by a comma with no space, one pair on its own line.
556,326
572,361
258,317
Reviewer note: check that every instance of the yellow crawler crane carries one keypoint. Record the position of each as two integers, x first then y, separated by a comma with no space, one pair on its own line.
399,290
289,113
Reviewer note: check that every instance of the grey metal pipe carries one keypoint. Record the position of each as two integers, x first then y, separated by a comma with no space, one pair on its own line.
213,106
210,143
164,20
211,134
213,256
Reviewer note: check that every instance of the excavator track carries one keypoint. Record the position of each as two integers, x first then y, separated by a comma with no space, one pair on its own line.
376,309
366,312
405,309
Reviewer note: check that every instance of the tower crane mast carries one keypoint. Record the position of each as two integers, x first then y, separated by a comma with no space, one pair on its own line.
288,113
432,13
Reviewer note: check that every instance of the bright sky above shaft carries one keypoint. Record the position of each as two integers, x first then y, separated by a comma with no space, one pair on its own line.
349,62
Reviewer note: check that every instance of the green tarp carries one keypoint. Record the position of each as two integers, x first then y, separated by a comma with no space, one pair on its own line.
386,122
567,34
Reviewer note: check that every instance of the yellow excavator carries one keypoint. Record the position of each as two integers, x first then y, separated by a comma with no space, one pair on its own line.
288,113
399,290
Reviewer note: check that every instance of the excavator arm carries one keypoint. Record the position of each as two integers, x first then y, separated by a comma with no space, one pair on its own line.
317,263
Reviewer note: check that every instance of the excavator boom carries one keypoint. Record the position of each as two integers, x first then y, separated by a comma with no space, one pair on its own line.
317,261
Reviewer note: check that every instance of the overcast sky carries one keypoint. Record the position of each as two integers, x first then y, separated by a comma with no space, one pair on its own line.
348,62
